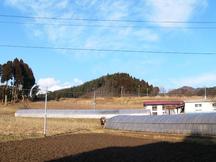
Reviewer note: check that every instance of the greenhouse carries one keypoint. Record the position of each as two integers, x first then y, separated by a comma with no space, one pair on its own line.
193,124
77,113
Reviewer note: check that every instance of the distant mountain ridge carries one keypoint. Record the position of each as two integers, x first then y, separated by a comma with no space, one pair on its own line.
190,91
113,85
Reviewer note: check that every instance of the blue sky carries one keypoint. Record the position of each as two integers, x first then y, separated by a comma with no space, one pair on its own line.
57,68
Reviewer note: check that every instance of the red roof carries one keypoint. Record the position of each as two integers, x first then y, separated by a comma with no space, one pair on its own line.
168,103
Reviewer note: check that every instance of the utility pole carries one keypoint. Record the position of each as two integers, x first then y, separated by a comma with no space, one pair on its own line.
138,90
147,92
6,95
122,91
205,94
45,115
94,100
6,99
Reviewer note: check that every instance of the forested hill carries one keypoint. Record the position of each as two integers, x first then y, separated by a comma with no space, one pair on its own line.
190,91
118,84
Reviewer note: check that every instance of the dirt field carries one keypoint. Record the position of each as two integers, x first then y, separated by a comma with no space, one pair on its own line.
21,139
103,148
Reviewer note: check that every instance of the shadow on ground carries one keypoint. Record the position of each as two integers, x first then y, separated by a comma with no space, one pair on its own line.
191,149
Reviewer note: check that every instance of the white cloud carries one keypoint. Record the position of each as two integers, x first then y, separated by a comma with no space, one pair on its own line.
173,10
67,36
77,81
103,37
52,84
146,34
196,81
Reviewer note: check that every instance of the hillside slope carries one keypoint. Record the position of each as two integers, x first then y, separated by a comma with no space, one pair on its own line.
113,85
190,91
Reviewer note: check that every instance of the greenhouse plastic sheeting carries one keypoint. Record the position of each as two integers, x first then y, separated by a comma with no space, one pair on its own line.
61,113
196,124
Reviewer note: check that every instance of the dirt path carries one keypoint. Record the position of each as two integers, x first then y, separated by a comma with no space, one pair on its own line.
102,148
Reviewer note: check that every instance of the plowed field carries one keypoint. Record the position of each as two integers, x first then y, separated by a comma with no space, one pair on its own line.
101,147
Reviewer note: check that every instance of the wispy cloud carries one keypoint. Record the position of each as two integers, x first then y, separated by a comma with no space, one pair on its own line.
104,37
60,35
208,79
173,10
52,84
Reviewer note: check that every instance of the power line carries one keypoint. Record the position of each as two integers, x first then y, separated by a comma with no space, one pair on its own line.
108,50
105,26
107,20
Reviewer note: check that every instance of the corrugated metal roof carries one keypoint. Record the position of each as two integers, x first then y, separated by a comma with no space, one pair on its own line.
176,103
197,101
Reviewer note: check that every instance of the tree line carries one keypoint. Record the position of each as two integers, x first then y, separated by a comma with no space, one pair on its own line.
17,78
190,91
111,85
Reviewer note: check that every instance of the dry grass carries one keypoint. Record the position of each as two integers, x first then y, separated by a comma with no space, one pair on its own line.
12,128
102,103
19,128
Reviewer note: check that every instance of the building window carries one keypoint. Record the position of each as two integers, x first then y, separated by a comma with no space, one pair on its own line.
154,113
214,105
154,108
198,110
198,105
163,107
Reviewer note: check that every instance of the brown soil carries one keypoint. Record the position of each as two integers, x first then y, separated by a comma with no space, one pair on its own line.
102,148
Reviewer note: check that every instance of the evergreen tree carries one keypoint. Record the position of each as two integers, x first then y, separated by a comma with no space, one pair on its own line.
0,70
28,76
17,73
7,75
7,72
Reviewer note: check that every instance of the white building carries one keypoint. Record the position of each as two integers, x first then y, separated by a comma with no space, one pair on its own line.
201,106
164,107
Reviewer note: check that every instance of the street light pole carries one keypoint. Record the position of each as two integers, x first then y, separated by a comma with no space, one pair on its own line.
45,108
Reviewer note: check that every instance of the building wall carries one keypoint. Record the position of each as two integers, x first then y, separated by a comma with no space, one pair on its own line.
160,110
199,107
155,110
